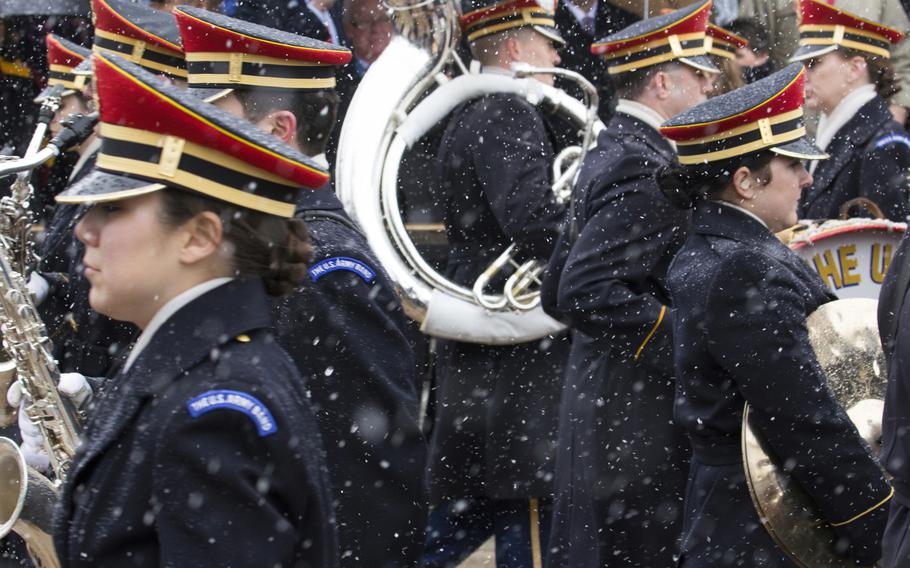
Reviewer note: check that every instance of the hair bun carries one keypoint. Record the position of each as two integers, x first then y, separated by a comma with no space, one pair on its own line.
288,264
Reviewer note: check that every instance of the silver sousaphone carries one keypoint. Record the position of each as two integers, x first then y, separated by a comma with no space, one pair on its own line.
844,335
404,94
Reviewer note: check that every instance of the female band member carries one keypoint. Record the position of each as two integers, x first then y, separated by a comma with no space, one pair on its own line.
742,298
849,80
203,450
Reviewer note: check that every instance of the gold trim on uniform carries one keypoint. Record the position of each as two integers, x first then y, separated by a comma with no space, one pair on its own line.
866,512
755,146
202,79
139,49
660,319
536,557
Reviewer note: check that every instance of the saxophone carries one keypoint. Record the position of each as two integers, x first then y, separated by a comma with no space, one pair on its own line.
27,497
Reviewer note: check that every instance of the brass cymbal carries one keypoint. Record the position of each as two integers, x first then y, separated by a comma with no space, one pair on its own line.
844,335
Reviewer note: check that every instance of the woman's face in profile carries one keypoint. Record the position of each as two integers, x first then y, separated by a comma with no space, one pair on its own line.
131,257
776,201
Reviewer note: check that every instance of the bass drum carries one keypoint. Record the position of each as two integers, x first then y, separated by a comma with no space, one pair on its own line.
851,256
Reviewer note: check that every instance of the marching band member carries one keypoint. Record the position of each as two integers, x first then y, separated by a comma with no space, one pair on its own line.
344,327
493,442
203,450
84,340
722,46
849,80
741,300
622,463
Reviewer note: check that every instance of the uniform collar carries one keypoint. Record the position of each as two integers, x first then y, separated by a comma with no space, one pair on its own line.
197,329
642,112
166,311
743,209
830,124
712,218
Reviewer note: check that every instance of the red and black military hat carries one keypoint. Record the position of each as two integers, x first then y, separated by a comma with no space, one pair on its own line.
764,115
155,135
722,42
824,28
481,18
63,57
677,36
145,36
227,53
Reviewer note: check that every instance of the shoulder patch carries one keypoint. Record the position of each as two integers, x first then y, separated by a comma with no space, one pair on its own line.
892,139
328,265
234,400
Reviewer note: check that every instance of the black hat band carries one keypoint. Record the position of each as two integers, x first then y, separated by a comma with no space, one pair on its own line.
811,35
141,53
534,16
64,76
661,51
176,162
232,70
754,137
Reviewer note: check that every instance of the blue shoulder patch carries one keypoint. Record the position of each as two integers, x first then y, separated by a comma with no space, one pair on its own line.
892,139
359,268
234,400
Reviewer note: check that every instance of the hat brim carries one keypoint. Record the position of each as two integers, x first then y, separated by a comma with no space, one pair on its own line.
811,52
700,62
550,33
52,91
801,149
210,96
100,187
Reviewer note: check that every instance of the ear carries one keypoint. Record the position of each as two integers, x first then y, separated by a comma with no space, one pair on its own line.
858,68
282,124
662,84
744,184
202,238
512,48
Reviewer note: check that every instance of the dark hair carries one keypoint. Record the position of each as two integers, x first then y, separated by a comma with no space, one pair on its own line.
631,84
274,248
685,186
881,71
315,112
756,35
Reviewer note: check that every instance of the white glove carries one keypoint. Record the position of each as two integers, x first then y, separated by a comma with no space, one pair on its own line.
38,287
73,386
32,441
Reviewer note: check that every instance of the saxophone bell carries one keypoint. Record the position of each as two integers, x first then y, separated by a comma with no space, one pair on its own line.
27,501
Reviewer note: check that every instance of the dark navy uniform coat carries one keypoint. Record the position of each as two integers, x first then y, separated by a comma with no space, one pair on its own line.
893,315
497,406
346,324
622,463
741,299
174,471
870,157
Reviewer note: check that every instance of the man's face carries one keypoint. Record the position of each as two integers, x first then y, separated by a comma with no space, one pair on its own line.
689,88
536,50
369,27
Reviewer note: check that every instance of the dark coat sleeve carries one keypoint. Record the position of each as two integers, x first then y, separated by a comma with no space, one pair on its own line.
604,287
883,175
222,492
512,165
755,330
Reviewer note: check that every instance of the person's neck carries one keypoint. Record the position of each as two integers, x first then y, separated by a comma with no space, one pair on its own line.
653,103
188,282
